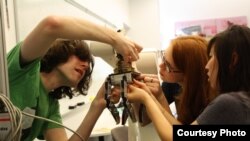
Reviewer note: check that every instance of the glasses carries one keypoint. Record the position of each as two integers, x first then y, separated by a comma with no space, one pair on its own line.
168,66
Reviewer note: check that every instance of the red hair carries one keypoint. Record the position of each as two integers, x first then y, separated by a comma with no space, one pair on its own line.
190,57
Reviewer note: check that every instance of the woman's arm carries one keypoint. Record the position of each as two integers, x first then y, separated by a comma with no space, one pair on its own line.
153,83
163,127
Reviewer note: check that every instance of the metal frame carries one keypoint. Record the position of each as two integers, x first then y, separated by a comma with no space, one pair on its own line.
4,87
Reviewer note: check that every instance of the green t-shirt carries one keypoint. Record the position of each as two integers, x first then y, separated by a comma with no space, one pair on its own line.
28,94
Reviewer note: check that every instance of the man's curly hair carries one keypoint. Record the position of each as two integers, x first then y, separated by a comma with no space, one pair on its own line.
59,53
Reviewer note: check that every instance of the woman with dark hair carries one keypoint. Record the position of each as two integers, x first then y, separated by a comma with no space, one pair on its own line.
53,61
228,72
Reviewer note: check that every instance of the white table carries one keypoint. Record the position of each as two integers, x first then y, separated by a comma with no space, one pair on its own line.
73,118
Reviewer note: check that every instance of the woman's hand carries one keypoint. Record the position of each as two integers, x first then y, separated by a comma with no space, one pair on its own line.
138,92
152,82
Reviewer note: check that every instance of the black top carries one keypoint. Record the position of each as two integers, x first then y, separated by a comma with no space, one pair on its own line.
170,90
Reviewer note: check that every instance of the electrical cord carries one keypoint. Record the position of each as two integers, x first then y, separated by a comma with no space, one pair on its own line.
16,119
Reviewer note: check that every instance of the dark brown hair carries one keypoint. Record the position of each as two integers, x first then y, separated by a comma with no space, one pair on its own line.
234,40
59,52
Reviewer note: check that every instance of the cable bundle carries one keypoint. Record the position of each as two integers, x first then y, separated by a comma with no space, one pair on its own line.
16,120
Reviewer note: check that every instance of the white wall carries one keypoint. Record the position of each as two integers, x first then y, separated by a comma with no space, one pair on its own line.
141,16
115,11
144,22
185,10
30,12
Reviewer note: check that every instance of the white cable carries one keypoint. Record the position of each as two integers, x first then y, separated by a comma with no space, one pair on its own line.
52,121
16,120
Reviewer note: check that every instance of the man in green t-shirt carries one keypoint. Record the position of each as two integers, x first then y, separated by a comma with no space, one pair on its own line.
52,61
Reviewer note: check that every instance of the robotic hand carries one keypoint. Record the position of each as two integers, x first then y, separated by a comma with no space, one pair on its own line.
123,75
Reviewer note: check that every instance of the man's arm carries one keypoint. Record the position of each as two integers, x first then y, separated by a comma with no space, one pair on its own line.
52,27
86,126
94,112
